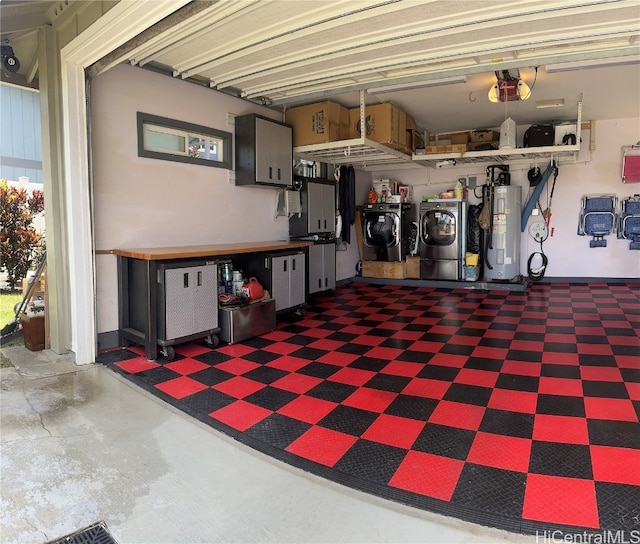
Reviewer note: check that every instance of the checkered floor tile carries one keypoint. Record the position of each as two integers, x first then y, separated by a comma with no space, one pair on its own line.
514,410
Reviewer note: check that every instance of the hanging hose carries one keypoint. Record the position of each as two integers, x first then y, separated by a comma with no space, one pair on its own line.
538,273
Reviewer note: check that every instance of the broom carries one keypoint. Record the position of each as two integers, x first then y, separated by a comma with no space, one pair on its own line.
11,327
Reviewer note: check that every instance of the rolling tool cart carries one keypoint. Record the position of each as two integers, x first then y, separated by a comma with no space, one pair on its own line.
168,302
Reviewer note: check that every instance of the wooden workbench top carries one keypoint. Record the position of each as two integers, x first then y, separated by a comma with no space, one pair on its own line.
213,250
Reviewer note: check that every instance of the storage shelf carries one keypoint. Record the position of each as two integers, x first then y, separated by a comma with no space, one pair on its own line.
368,155
360,152
501,155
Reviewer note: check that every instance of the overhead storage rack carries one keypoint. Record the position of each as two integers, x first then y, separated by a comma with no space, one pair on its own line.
509,155
361,152
366,154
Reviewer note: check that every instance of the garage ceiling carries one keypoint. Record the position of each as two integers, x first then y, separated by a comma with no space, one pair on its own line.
441,55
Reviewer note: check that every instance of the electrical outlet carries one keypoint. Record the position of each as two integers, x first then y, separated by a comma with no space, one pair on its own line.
471,182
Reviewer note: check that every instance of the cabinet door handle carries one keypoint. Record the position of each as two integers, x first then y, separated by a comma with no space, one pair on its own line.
199,278
293,262
319,224
185,280
279,175
270,172
285,265
319,283
326,282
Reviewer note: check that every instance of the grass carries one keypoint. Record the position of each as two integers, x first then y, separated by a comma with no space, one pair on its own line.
8,300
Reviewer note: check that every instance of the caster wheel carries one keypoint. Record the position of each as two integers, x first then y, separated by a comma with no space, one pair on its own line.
212,340
300,312
169,352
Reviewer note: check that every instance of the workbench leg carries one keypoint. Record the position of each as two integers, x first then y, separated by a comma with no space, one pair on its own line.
123,298
151,334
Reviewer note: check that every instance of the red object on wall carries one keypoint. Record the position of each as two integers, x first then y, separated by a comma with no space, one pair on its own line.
630,168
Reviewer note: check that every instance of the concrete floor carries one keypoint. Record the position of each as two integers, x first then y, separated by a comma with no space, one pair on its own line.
81,444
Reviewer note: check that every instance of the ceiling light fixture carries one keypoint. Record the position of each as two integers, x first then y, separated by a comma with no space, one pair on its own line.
418,85
508,87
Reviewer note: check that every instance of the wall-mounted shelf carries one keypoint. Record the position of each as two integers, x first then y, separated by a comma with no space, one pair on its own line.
501,155
370,156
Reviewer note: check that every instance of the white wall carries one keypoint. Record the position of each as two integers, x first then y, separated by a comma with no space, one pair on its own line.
594,172
143,202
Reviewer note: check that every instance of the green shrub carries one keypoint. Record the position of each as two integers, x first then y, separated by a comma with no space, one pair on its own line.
20,244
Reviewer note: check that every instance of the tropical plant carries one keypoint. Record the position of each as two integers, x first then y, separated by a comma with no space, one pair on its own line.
20,243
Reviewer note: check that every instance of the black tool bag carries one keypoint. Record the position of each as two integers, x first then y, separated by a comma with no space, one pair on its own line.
474,235
539,136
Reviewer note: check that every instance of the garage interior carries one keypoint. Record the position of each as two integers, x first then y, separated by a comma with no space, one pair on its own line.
438,380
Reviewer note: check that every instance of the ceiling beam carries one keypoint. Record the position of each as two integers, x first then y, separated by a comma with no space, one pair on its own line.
323,18
117,55
419,63
189,30
402,35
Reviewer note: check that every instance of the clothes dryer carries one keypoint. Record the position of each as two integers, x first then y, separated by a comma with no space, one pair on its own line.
386,231
443,232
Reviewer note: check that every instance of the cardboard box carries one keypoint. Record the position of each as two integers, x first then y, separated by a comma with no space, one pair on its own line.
414,138
385,123
33,331
413,267
318,123
484,136
39,288
383,269
433,149
458,138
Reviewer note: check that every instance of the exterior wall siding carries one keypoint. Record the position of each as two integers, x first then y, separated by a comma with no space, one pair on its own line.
20,133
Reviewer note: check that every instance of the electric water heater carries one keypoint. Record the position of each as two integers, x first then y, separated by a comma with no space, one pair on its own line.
502,239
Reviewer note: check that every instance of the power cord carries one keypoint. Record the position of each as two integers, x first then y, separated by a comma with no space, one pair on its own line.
537,273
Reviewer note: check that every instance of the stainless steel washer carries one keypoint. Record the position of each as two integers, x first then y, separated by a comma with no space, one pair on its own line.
442,239
386,231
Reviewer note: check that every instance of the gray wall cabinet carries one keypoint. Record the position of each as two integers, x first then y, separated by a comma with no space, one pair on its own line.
264,152
318,209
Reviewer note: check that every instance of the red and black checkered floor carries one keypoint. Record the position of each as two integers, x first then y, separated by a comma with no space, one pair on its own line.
514,410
